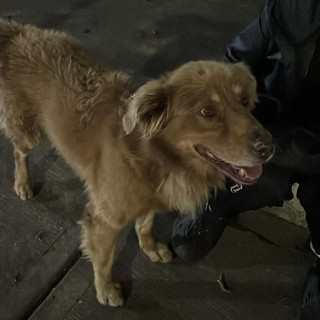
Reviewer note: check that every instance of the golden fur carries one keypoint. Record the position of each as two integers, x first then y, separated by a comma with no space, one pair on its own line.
137,151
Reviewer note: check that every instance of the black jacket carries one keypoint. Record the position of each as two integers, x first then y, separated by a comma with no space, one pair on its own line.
282,47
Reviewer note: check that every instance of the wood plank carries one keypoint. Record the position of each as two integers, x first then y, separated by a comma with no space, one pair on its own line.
39,237
19,300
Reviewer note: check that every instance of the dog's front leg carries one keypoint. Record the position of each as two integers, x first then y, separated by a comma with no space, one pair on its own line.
157,252
98,243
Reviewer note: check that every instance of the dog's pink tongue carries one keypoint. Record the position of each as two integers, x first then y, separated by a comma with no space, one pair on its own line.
254,172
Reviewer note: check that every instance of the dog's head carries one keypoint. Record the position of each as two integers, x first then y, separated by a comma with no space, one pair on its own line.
203,111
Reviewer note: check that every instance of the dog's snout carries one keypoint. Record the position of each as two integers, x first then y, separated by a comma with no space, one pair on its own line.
262,145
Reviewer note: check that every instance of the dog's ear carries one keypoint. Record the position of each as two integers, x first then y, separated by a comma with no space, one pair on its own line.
244,78
243,71
147,109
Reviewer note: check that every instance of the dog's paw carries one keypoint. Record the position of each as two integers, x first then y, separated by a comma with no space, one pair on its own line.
161,253
23,190
110,294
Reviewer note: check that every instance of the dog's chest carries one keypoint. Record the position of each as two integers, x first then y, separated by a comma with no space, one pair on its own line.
180,193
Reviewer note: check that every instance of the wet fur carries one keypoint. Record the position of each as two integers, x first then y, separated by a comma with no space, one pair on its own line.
132,148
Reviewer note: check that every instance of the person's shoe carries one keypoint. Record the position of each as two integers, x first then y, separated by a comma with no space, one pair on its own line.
193,239
311,299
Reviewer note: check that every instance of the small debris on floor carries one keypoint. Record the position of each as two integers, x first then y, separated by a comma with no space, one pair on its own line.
223,284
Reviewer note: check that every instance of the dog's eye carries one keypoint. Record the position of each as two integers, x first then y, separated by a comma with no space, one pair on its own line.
208,111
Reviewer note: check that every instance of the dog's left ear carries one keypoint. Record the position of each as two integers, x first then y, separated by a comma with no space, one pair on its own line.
243,76
244,71
147,109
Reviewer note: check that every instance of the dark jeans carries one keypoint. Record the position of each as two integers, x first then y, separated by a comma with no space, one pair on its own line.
272,189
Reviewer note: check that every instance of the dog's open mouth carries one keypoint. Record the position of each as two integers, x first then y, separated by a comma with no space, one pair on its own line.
243,175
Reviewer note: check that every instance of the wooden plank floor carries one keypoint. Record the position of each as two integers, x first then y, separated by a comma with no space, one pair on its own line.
42,274
266,279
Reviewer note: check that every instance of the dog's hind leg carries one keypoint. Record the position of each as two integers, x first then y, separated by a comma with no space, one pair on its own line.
22,186
157,252
18,121
98,243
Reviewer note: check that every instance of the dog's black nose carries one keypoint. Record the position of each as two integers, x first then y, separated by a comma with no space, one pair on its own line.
262,145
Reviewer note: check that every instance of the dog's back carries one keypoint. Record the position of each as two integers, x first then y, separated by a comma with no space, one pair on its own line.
35,70
47,83
27,51
8,30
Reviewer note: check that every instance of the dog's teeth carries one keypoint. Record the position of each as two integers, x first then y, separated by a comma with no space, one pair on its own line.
242,172
210,155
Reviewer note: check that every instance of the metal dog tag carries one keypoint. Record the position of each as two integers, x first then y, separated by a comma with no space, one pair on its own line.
237,187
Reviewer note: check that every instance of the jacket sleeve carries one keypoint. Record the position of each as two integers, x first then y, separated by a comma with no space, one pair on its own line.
256,46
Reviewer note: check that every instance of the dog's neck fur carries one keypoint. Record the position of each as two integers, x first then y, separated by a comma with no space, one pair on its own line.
176,184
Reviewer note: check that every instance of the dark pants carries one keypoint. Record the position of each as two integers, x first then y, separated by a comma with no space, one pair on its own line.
272,189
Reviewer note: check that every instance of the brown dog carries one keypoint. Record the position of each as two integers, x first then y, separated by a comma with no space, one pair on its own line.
162,147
